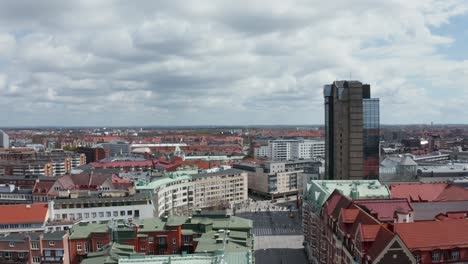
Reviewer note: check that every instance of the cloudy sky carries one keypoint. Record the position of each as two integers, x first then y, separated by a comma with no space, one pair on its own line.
228,62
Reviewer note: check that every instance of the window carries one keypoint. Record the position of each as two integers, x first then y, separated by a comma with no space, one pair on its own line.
47,253
122,213
101,214
162,240
129,212
79,215
86,215
435,256
21,255
455,254
79,247
57,216
12,244
108,214
143,248
51,243
7,255
36,259
34,245
174,251
99,245
59,253
71,216
151,240
94,215
161,251
174,241
86,247
115,213
418,258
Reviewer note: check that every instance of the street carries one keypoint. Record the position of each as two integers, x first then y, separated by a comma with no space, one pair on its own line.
278,231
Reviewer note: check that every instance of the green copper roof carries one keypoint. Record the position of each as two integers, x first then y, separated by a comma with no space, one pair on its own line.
318,191
83,230
163,181
218,257
109,254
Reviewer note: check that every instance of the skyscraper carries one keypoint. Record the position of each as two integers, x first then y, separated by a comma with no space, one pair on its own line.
352,130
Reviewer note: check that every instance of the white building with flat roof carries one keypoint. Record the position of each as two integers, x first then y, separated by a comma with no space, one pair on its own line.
4,140
291,149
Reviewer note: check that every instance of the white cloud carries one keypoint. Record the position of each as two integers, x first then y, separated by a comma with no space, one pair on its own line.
218,62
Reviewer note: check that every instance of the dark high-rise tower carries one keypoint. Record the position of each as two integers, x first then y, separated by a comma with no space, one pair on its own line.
351,131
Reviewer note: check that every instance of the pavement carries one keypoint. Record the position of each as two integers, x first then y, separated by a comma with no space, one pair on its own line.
278,237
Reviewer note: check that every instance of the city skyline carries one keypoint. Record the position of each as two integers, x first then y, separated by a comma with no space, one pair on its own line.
213,63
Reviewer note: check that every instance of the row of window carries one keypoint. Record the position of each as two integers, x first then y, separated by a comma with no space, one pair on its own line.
34,245
437,256
13,226
72,216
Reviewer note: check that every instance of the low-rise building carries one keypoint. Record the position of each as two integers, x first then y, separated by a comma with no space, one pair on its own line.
23,218
277,178
99,208
34,248
199,234
11,194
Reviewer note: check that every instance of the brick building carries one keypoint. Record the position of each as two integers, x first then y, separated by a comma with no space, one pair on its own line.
200,233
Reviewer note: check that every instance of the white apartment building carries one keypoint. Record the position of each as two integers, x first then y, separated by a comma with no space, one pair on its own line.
180,194
96,209
4,140
291,149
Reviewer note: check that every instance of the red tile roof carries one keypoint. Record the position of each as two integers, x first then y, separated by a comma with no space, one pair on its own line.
369,232
23,213
426,192
453,193
429,235
42,187
348,216
385,209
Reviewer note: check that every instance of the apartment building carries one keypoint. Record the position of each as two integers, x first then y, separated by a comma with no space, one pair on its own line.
17,153
178,194
11,194
291,149
318,192
277,178
35,248
55,163
98,208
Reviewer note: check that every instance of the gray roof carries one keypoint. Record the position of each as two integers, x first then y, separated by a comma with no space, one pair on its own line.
216,174
407,161
428,210
56,235
135,197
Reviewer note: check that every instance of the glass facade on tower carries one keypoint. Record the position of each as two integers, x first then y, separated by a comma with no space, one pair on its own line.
371,137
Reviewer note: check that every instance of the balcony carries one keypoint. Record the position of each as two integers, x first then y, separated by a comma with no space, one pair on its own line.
51,260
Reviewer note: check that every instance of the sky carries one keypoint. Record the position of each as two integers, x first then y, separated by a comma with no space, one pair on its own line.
163,63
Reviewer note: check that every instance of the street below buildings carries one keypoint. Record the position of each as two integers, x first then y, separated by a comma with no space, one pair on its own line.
278,231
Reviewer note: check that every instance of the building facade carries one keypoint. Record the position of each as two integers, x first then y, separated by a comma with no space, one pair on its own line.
196,234
291,149
4,140
96,209
179,194
351,131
